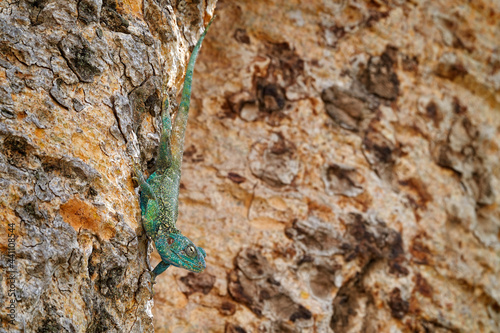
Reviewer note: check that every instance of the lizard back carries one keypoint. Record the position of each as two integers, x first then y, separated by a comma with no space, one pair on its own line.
166,188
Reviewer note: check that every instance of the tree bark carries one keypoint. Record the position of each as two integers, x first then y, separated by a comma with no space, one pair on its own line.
341,166
342,170
81,91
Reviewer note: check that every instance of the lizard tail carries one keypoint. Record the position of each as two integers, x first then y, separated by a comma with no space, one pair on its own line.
180,122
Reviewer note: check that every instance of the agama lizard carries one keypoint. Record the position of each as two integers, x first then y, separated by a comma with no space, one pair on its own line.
159,196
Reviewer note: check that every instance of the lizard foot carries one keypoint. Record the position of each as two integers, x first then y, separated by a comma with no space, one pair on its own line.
138,176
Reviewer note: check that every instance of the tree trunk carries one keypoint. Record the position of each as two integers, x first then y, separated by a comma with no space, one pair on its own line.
82,84
342,170
341,166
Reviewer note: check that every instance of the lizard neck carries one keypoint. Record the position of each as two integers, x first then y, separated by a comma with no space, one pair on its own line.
164,230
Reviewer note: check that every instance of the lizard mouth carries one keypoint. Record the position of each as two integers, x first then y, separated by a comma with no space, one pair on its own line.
197,266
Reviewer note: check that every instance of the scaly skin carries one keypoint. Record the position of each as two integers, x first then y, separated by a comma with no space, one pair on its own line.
160,192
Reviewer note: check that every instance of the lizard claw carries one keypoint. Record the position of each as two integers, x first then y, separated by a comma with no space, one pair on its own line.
137,176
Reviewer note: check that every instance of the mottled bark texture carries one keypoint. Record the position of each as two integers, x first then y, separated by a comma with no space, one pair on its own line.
342,170
341,166
81,90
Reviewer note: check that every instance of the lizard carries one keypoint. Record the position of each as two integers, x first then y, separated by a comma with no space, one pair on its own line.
159,196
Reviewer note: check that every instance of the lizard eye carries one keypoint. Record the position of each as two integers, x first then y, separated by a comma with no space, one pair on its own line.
170,241
190,251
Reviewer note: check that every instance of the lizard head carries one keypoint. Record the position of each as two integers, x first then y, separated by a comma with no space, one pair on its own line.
179,251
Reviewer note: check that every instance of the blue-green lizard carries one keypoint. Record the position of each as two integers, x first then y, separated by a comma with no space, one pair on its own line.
159,197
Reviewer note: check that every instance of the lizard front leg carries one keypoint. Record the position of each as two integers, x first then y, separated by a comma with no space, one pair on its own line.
149,204
146,189
160,268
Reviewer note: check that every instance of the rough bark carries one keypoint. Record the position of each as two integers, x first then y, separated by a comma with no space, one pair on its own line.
342,170
81,90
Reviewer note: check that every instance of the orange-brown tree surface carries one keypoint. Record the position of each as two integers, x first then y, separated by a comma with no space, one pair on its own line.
341,165
81,90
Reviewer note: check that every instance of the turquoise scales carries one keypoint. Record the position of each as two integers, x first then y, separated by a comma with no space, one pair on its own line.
160,192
